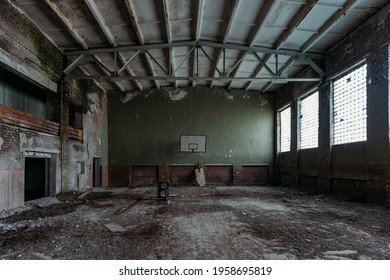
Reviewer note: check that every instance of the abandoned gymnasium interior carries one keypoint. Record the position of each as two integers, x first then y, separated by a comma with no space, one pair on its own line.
194,129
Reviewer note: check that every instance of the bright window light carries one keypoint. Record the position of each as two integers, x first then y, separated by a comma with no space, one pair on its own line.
285,129
350,107
308,121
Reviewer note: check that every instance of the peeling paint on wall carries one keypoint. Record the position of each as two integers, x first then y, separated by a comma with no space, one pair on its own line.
229,154
127,96
1,142
176,94
263,100
93,108
203,111
172,93
96,101
246,96
229,96
148,93
23,139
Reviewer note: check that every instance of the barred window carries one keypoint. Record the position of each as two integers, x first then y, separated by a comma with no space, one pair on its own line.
285,129
350,107
308,121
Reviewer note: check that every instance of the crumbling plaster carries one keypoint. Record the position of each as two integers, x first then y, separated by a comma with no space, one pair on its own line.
26,52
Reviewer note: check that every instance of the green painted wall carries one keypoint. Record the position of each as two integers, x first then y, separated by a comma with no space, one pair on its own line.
145,127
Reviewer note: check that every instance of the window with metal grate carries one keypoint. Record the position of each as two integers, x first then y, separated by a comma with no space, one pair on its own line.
308,121
285,129
350,107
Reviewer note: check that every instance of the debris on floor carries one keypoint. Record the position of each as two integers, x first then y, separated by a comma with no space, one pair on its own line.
212,222
115,228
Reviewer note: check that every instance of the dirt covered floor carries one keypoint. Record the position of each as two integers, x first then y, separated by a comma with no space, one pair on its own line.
221,222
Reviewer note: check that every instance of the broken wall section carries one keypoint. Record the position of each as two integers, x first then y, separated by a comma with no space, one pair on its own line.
27,56
79,154
70,160
17,145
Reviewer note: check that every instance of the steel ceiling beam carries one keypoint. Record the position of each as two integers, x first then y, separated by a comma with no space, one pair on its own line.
138,31
107,72
324,29
184,59
101,21
263,64
151,57
101,65
67,23
129,70
294,23
171,78
198,31
265,13
110,37
74,64
134,20
102,24
313,65
262,18
273,75
94,80
199,43
151,69
329,24
171,53
167,22
228,28
127,63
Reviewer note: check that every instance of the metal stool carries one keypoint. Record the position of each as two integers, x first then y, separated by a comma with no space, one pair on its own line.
163,191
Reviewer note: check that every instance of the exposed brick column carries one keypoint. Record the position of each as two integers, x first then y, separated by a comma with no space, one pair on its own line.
293,165
378,147
324,145
63,88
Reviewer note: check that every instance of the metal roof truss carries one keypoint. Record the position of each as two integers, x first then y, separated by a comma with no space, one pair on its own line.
196,49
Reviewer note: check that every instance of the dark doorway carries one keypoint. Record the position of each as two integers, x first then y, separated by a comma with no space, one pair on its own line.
36,178
96,172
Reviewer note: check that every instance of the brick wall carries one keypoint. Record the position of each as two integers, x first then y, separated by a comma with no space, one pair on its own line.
66,155
367,38
16,144
10,139
23,40
27,53
346,170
